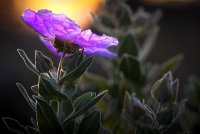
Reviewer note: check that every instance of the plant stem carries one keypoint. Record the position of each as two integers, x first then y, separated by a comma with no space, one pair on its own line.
59,110
60,65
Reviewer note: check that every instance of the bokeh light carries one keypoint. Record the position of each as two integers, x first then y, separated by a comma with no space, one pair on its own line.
77,10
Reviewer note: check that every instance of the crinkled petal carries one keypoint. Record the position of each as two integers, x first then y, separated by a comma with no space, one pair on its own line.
50,46
51,25
60,25
99,52
34,21
87,39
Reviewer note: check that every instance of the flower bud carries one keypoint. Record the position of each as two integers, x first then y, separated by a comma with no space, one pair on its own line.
42,63
137,110
165,90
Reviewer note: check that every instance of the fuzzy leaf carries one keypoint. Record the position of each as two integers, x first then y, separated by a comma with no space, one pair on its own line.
14,125
170,65
124,16
87,106
128,46
28,63
48,122
83,100
131,68
35,88
69,90
67,109
75,74
193,91
101,82
32,130
90,124
148,44
48,89
26,96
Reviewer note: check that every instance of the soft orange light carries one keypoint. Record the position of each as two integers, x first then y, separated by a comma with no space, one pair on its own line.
77,10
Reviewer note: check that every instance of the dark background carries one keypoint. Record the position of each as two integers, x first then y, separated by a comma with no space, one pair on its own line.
180,33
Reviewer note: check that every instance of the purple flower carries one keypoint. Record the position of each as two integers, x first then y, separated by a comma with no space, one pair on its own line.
51,26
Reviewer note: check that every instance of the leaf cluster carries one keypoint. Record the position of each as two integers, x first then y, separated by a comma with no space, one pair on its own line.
58,108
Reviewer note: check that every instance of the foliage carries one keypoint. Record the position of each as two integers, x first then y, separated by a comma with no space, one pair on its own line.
149,91
58,107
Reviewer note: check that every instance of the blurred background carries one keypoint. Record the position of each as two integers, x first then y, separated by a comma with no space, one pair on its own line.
179,33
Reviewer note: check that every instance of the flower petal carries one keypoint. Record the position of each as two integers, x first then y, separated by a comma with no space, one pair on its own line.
87,38
34,21
50,46
99,52
60,25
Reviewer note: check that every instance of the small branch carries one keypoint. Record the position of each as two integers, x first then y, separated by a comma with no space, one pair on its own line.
59,110
60,65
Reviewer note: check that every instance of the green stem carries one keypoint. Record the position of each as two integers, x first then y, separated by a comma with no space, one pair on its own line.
60,65
59,110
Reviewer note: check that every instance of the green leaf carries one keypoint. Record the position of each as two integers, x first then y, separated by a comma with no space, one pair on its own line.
28,63
68,62
26,96
54,104
33,121
32,130
67,109
48,122
101,82
124,15
81,101
35,88
193,91
69,90
87,106
48,89
148,44
90,124
43,63
131,68
128,46
170,65
70,127
14,126
166,115
80,59
74,75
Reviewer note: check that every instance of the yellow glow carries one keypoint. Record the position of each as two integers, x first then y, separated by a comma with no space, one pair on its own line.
77,10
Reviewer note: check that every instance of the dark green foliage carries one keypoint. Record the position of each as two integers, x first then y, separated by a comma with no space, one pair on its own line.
128,45
90,124
58,108
75,74
148,90
131,68
47,120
